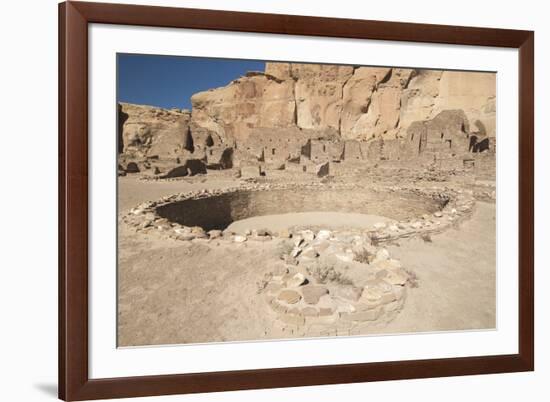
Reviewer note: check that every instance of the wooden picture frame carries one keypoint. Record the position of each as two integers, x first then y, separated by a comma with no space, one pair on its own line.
74,381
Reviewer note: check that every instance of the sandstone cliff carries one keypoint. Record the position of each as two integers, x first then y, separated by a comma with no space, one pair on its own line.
359,103
148,130
293,116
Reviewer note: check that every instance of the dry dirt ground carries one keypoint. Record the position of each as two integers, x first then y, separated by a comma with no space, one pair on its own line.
171,292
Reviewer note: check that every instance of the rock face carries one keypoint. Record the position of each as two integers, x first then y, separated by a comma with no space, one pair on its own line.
255,100
300,116
151,131
349,102
319,95
373,101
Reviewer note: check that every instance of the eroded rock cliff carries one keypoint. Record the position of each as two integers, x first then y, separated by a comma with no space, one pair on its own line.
359,103
293,116
147,130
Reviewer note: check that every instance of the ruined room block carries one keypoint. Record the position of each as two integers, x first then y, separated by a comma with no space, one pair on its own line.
306,150
159,166
294,152
250,171
442,142
132,167
373,150
190,167
272,166
276,153
449,123
318,150
460,143
202,137
243,158
352,151
335,150
308,166
390,150
364,145
256,150
195,166
178,171
415,141
295,167
448,132
219,157
336,168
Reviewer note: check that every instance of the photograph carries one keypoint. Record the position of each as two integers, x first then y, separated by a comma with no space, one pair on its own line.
264,200
275,201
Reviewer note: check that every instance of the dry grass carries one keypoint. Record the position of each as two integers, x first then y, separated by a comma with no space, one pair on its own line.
364,256
285,249
374,240
324,274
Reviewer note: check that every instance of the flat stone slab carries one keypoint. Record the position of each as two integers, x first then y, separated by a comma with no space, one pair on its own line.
313,293
352,293
289,296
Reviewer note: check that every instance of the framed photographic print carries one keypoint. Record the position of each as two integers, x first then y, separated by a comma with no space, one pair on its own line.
260,200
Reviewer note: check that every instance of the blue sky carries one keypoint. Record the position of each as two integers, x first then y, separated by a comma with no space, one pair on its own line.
169,81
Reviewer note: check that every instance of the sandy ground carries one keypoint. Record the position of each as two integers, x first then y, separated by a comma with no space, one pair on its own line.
456,276
172,292
132,191
324,219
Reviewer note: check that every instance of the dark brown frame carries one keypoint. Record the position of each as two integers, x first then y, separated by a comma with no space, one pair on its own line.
74,383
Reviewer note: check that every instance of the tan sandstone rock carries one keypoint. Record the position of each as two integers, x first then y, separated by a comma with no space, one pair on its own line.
147,130
297,116
257,100
289,296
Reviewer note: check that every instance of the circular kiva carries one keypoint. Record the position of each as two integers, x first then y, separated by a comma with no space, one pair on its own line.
206,214
334,279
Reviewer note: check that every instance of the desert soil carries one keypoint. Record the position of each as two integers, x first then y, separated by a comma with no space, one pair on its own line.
172,292
323,219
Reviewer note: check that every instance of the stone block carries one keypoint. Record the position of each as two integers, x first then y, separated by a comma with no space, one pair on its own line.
310,312
289,296
352,293
313,293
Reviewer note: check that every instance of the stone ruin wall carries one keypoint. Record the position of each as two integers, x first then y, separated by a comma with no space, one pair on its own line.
297,116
